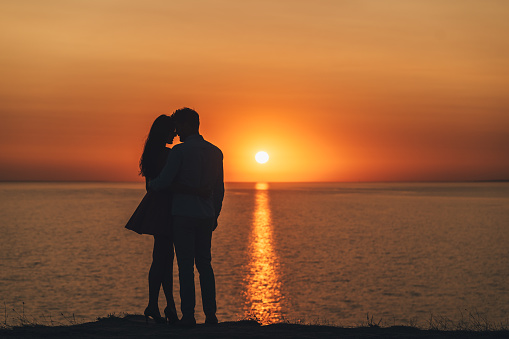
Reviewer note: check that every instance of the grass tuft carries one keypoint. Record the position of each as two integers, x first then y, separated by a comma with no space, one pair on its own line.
14,318
473,321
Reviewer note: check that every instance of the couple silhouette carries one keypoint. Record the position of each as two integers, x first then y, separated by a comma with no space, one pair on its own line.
185,190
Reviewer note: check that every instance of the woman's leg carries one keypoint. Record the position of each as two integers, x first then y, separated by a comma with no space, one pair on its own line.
157,272
170,311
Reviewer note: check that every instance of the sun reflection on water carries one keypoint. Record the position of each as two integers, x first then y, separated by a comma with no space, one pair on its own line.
263,284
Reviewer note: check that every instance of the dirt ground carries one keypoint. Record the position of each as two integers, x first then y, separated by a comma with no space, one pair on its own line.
134,326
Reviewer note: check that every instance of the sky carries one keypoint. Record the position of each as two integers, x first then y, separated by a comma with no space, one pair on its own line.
331,90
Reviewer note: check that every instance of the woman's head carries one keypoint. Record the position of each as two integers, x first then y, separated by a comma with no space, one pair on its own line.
161,133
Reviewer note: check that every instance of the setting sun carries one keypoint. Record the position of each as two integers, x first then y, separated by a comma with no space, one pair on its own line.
262,157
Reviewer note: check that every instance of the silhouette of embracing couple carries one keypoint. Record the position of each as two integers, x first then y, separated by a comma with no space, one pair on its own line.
185,191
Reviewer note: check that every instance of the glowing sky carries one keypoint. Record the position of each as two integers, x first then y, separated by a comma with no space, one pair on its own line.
331,90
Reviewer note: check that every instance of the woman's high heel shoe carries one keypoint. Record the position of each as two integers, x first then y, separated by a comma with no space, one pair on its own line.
170,316
154,314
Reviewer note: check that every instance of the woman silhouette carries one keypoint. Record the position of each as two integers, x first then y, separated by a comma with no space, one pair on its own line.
153,216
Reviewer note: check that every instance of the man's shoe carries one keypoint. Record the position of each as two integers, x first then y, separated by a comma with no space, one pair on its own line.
187,321
211,320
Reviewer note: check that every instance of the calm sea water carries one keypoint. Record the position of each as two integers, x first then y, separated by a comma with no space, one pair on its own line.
311,252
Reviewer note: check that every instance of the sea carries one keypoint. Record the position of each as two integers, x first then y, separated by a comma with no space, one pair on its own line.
345,254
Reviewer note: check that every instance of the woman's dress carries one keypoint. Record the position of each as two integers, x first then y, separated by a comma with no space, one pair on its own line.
153,214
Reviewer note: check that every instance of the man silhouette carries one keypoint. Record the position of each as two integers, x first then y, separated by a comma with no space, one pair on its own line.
198,164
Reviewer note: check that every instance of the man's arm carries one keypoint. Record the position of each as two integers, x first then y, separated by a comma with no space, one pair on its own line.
202,191
168,173
218,190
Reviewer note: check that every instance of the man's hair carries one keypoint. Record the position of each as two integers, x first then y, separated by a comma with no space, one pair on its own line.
188,116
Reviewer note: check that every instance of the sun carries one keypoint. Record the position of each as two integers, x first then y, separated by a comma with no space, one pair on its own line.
262,157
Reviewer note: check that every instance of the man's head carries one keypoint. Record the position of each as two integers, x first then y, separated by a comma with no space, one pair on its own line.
187,122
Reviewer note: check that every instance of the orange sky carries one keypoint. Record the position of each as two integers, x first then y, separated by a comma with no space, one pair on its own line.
332,90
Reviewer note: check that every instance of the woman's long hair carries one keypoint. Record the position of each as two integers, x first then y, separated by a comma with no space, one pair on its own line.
155,144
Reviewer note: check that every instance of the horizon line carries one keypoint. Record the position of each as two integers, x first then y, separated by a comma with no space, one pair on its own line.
264,181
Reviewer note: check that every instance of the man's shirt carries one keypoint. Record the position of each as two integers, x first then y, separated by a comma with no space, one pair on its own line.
194,163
